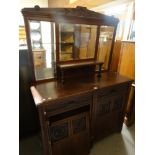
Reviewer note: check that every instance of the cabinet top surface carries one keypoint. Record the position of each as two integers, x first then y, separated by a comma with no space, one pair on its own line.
55,90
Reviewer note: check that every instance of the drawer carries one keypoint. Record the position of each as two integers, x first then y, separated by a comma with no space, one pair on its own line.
68,103
113,90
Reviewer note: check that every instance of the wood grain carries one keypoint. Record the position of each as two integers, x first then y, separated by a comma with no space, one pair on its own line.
127,60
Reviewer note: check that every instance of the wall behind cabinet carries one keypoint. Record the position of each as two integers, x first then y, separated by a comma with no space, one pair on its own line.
30,3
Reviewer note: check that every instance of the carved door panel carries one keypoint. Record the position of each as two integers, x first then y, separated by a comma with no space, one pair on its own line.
70,136
107,116
118,109
59,131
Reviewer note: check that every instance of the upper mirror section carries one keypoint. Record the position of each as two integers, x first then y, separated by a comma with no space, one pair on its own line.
105,44
76,41
43,48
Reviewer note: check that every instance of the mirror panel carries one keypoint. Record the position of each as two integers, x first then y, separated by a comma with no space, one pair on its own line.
43,45
77,41
105,43
66,36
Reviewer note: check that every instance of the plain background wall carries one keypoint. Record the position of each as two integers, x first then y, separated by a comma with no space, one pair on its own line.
30,3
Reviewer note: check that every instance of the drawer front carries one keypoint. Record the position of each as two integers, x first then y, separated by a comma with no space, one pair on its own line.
68,103
113,90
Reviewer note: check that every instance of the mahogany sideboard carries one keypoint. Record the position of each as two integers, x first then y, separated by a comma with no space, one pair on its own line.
79,112
76,105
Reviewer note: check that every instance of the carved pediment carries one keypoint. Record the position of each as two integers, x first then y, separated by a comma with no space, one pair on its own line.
81,12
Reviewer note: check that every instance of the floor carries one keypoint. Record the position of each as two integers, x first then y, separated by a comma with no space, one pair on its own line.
116,144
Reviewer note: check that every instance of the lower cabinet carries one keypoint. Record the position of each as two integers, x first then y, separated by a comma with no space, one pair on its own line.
108,112
72,126
70,136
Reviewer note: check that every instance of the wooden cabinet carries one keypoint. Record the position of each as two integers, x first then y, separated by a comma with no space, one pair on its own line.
76,114
69,36
108,110
70,135
87,105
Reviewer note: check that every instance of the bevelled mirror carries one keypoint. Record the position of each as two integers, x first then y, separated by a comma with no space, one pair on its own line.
77,41
105,44
43,48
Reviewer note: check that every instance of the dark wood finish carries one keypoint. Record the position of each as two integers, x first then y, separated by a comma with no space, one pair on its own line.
64,67
68,15
87,106
55,90
78,15
71,135
97,42
73,65
103,99
108,110
30,54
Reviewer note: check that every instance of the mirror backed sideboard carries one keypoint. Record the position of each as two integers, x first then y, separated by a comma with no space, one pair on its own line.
79,100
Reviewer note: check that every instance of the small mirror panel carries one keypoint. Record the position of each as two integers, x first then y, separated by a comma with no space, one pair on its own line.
77,41
42,36
105,43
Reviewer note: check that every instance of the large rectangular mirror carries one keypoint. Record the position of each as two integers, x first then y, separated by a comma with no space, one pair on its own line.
43,47
77,41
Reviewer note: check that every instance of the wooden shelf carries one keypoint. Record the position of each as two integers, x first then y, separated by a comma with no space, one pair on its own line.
80,64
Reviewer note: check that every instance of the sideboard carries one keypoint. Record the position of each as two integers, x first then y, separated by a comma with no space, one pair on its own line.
79,112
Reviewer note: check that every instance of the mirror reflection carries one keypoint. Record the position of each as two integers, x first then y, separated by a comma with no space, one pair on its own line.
77,41
43,48
105,42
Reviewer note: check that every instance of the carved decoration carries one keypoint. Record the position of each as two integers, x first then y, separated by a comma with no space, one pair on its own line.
79,125
118,103
79,11
104,107
59,132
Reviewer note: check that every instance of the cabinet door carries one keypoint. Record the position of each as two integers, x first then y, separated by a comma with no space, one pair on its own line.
107,114
70,136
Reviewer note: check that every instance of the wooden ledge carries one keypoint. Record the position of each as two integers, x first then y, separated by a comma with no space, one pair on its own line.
38,99
79,64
